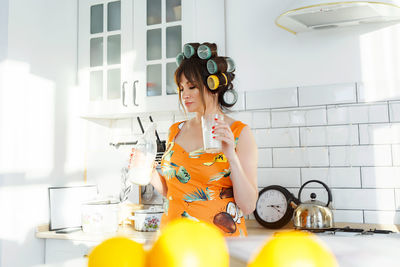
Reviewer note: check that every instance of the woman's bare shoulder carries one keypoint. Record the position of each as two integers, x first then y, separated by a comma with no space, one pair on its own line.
229,120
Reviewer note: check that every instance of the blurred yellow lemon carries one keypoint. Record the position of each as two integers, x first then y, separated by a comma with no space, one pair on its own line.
185,243
293,249
117,252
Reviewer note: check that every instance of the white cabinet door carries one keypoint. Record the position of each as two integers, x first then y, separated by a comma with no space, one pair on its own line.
159,31
59,251
105,55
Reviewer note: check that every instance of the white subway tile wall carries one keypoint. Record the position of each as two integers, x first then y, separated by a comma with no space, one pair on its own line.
369,199
261,119
327,94
298,117
300,157
379,90
396,155
355,216
333,177
380,177
365,155
264,157
272,98
345,135
329,135
382,217
279,137
360,113
394,108
289,177
380,133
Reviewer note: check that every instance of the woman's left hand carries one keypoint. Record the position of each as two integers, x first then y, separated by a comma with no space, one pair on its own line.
222,132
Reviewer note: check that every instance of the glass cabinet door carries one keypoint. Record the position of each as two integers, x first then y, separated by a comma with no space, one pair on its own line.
163,43
105,51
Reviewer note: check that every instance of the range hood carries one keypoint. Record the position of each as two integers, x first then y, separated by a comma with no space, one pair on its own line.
309,15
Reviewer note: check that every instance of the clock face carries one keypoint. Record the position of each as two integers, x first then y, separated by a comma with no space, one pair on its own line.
272,205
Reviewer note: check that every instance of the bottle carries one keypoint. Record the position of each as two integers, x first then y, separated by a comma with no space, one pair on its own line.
220,64
207,50
216,80
144,154
190,49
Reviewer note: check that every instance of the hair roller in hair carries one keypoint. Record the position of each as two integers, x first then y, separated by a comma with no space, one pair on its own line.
207,50
230,97
217,80
179,58
220,64
230,64
190,49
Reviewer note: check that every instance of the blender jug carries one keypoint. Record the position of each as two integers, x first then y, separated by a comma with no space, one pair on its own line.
143,157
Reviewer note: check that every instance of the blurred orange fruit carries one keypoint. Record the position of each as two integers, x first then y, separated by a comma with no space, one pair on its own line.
185,243
293,249
117,252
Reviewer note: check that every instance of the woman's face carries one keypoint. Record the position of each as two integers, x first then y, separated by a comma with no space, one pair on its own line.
191,97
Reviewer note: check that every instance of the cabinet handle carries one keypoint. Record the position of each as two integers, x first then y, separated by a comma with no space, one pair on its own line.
123,94
134,93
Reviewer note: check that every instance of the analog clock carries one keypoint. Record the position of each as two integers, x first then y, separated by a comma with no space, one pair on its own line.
273,209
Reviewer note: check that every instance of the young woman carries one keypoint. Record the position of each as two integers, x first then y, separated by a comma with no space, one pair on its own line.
215,187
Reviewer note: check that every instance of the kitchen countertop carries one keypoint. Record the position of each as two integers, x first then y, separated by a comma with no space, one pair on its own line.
128,231
352,251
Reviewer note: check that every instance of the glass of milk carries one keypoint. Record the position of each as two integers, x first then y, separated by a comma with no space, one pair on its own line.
210,145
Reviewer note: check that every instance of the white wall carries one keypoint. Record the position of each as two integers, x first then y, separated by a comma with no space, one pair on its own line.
3,28
40,132
270,57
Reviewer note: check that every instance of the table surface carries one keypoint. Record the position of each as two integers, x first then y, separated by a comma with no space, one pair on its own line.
352,251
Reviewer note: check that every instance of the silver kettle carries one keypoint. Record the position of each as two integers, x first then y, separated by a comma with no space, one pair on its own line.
313,214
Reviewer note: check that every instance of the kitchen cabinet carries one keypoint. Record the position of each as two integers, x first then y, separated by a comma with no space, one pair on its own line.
127,49
61,248
58,250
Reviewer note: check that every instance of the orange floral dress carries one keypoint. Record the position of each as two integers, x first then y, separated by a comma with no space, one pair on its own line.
199,185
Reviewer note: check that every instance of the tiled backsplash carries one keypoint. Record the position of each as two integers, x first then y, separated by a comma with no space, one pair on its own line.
329,133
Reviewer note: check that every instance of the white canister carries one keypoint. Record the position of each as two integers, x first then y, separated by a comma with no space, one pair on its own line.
100,217
147,220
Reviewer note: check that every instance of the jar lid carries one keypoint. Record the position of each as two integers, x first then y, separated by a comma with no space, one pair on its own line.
152,210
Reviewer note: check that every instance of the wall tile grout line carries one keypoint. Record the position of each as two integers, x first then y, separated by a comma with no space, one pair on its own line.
363,213
391,153
324,146
272,157
326,115
270,118
299,136
245,100
322,105
357,88
329,125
